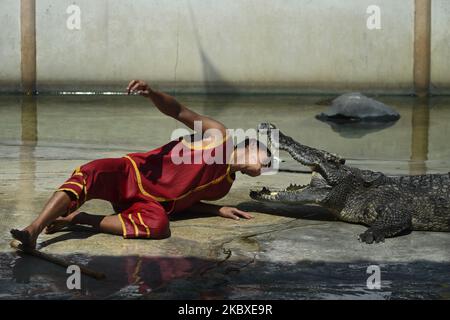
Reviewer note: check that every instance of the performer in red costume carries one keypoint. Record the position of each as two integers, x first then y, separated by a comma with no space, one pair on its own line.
144,188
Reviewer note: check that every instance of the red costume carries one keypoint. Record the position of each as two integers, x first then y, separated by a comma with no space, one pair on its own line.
145,187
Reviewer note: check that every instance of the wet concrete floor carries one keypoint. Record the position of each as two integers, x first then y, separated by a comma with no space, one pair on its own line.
284,253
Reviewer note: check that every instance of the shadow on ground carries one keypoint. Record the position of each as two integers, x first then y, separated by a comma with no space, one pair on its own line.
281,210
289,211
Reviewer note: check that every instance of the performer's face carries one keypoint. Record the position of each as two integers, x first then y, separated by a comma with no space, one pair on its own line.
256,159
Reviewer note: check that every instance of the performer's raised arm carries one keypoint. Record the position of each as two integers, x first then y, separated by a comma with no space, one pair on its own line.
171,107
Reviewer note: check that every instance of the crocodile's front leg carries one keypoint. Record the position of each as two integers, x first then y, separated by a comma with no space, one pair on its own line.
391,219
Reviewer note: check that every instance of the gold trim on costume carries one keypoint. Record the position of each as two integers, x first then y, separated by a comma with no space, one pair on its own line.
139,182
145,226
213,182
73,191
136,231
124,229
77,172
160,199
85,189
76,184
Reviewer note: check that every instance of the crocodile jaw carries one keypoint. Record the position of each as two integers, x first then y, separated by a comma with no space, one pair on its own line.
313,193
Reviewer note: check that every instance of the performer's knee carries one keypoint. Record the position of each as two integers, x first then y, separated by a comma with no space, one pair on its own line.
75,187
141,223
161,229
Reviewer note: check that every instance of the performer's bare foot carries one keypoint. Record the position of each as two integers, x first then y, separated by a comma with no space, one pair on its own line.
26,236
57,225
55,207
60,223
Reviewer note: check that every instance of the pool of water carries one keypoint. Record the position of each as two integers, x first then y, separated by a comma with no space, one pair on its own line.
49,124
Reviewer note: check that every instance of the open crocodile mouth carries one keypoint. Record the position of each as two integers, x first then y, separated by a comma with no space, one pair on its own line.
313,192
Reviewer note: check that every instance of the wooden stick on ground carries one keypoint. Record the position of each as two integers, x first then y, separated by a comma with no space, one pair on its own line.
45,256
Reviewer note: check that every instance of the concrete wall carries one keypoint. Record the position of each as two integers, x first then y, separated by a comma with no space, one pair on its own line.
217,45
440,47
10,73
251,43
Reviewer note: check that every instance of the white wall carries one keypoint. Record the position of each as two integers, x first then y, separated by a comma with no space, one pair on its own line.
440,47
252,44
10,73
218,45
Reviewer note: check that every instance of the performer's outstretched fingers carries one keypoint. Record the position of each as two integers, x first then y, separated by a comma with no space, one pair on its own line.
244,214
130,85
135,87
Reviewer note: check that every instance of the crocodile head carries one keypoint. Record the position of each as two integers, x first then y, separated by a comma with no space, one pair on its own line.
316,192
327,170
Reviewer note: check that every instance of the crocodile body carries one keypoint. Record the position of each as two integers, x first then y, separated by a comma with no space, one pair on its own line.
388,205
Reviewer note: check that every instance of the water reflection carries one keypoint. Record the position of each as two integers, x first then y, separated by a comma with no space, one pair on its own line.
357,130
138,127
27,160
134,277
419,139
29,121
126,276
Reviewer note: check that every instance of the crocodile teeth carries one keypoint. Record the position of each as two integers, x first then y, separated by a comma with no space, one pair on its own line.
265,191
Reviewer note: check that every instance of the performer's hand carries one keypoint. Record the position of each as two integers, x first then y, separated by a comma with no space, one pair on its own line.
140,87
234,213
